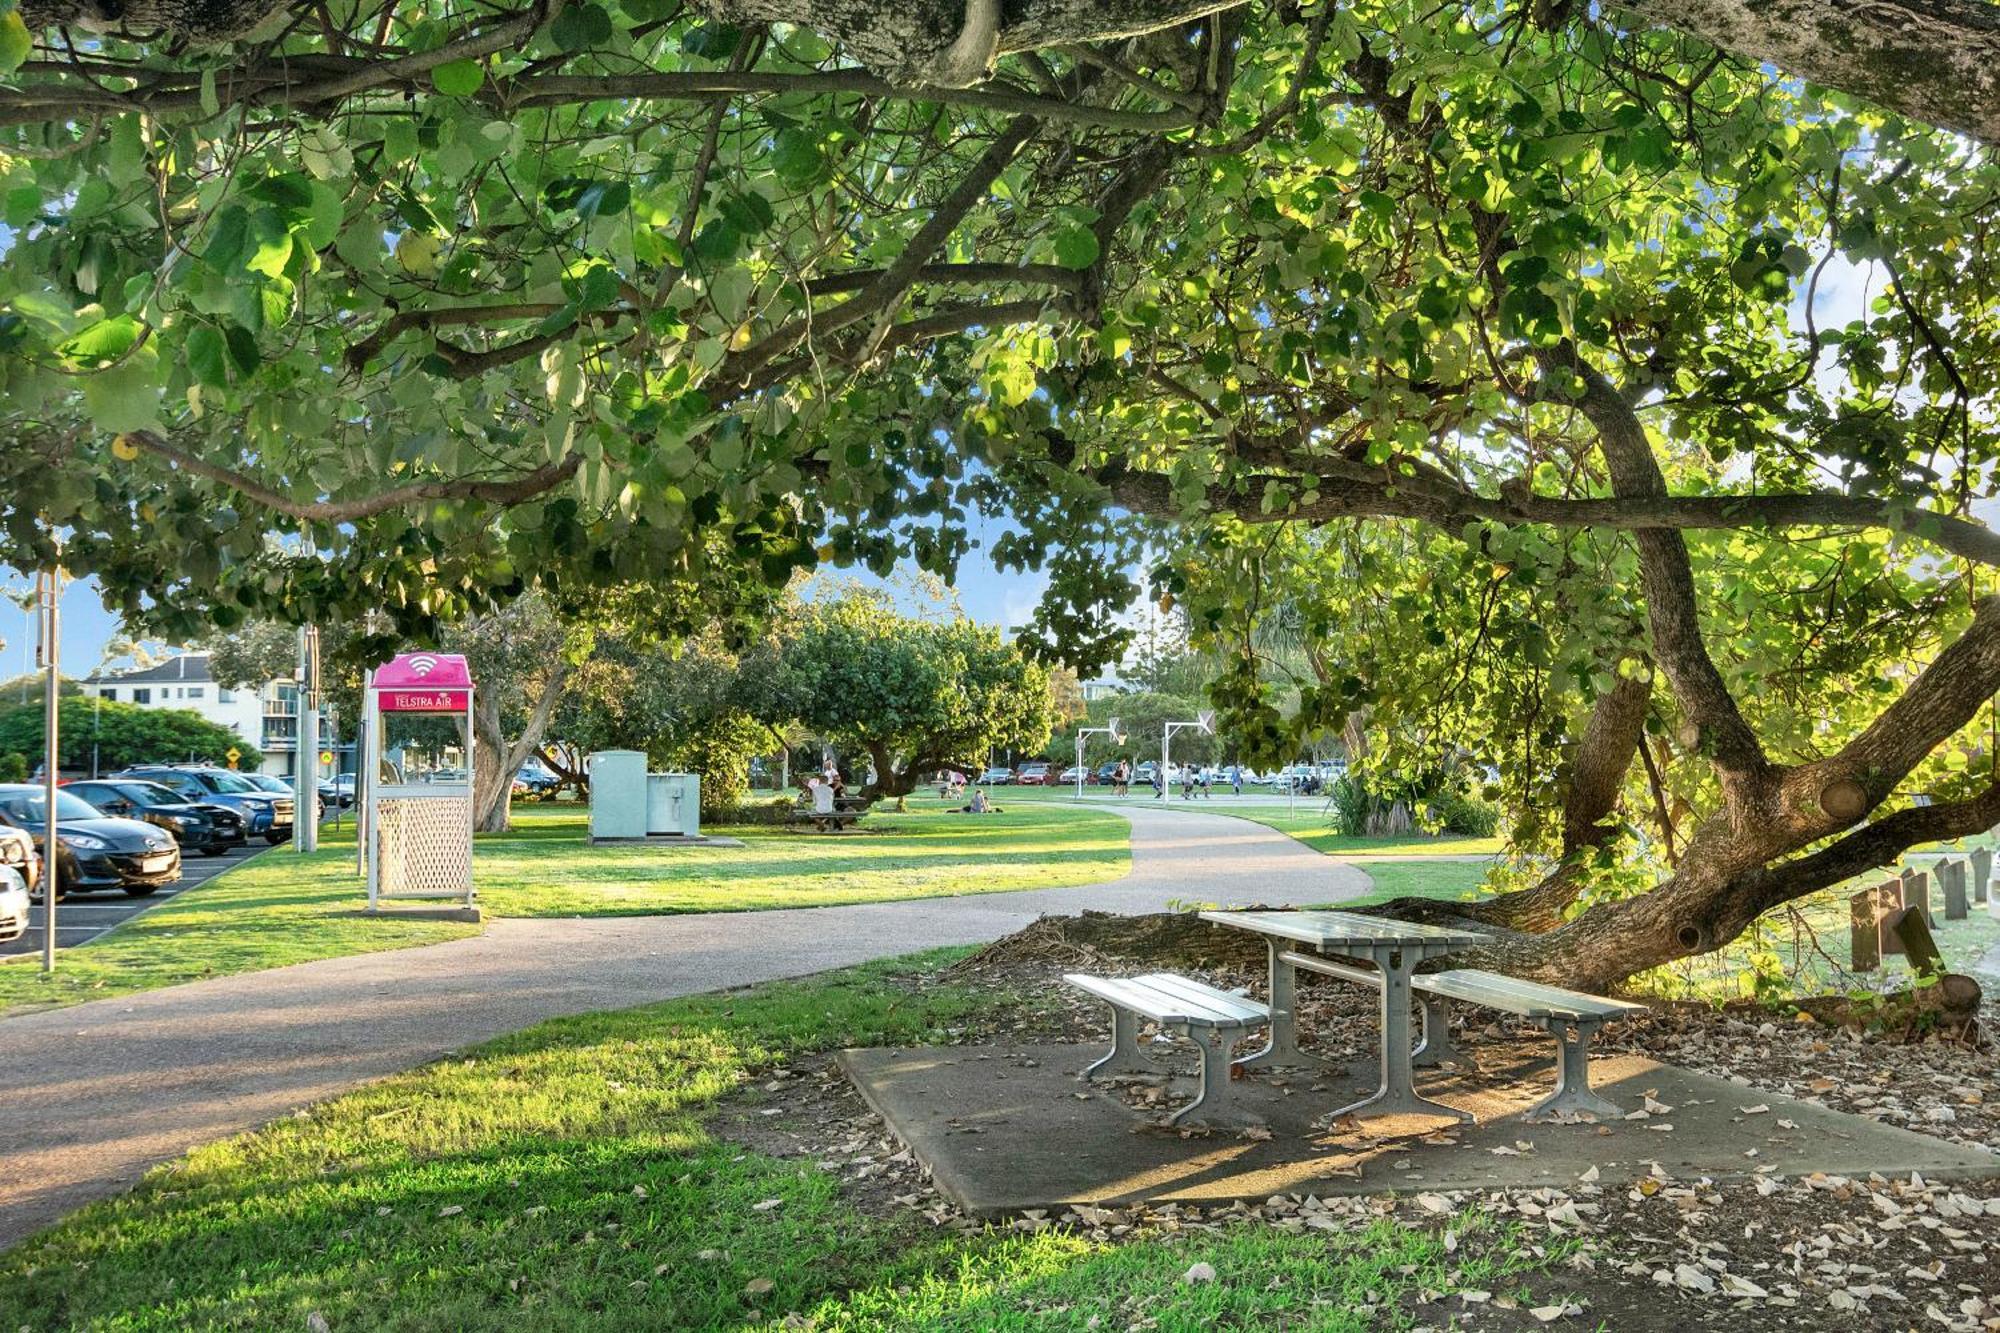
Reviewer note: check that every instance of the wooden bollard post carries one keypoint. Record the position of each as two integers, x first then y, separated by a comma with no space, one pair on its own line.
1952,881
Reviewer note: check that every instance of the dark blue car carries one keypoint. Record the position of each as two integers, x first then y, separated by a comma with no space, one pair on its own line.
266,815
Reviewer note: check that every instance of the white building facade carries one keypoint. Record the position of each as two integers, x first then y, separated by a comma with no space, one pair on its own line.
266,718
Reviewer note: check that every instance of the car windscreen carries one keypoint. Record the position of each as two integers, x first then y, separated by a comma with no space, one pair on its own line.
143,793
227,783
32,807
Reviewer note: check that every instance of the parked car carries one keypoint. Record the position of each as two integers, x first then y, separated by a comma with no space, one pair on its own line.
93,850
997,777
534,778
18,854
197,825
276,785
13,904
1072,775
1106,774
1036,774
266,814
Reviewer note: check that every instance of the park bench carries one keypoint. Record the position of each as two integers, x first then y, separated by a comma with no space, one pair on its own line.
845,812
1212,1019
1571,1017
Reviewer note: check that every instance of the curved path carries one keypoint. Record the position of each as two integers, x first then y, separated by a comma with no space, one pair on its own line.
93,1095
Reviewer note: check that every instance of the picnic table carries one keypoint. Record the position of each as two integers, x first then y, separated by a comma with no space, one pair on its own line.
1394,949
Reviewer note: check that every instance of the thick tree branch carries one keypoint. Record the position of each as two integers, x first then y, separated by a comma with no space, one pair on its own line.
513,490
1935,61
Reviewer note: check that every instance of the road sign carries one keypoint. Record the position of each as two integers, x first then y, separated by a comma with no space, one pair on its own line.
326,756
232,754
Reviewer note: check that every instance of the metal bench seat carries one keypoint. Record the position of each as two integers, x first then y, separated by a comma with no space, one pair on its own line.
1571,1017
1208,1017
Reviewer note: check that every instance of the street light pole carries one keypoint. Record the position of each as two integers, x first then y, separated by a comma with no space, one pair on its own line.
305,768
49,586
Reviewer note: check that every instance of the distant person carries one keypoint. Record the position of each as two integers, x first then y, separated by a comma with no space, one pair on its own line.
1236,779
1121,779
1159,785
822,796
980,804
1206,778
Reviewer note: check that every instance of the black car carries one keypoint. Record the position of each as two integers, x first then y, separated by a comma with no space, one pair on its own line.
94,850
266,814
196,826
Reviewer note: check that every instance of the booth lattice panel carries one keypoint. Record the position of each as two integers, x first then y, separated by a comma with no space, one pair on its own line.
423,845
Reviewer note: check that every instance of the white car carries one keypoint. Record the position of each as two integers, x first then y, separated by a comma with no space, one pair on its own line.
1071,775
13,904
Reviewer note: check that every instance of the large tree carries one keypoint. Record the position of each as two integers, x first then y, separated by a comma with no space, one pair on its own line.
561,297
912,695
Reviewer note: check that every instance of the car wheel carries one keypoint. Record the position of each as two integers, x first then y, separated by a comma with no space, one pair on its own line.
140,890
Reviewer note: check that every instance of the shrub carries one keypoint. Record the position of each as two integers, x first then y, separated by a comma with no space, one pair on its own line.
13,768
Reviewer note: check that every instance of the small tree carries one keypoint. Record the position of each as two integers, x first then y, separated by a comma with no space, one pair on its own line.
913,695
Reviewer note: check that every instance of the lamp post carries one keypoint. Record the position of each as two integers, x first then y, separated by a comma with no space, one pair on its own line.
49,595
1111,730
1205,724
305,739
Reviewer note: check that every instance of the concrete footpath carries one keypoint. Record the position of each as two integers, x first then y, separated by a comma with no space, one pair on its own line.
93,1095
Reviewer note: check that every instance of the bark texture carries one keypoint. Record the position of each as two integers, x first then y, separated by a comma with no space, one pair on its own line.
497,759
1935,61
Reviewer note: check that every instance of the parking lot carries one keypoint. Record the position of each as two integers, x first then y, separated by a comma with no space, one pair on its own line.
86,916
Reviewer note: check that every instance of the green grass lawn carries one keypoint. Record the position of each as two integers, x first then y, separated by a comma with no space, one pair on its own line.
276,909
283,908
564,1178
542,870
1451,880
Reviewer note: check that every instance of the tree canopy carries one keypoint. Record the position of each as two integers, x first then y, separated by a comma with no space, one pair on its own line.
118,734
1637,346
911,695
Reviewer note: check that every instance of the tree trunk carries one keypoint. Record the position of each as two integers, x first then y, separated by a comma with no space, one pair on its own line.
1596,775
496,760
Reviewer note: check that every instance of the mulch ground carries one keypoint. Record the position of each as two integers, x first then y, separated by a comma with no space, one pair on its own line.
1815,1253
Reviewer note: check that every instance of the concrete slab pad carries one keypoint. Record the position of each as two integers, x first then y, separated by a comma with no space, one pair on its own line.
1010,1127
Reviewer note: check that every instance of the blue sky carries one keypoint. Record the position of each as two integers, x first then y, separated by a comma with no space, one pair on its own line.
987,594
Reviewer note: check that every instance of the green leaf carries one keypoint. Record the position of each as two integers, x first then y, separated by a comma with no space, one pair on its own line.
458,78
580,27
229,237
603,199
271,245
102,342
1076,247
797,158
124,397
243,353
208,357
15,42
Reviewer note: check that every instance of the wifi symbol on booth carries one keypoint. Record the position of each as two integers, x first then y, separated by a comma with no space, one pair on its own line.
423,664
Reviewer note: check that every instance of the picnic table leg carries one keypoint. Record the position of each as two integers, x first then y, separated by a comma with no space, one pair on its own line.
1397,1094
1572,1096
1281,1049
